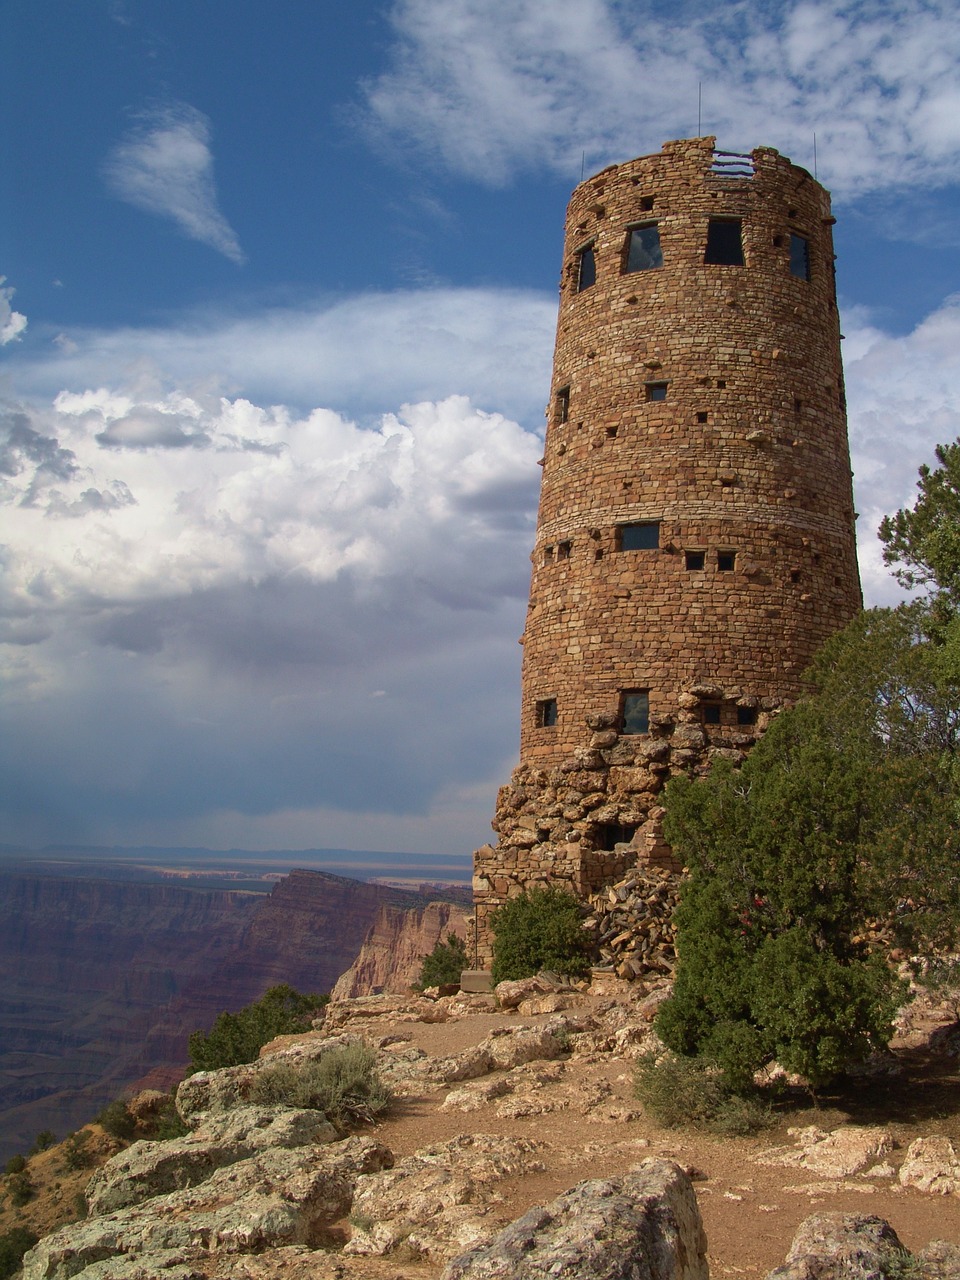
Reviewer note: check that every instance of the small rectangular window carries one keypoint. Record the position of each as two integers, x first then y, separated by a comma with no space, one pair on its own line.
746,715
643,249
694,559
562,406
646,203
635,711
726,561
586,269
703,417
724,246
548,555
563,550
657,390
546,713
710,713
799,256
639,537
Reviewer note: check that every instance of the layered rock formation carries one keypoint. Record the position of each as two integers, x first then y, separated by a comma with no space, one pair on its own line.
392,953
102,981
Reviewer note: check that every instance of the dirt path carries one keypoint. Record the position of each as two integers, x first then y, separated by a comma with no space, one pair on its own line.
751,1211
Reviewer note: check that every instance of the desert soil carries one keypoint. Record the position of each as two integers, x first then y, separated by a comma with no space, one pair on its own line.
751,1211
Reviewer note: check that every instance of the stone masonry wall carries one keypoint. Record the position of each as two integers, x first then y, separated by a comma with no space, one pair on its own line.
704,400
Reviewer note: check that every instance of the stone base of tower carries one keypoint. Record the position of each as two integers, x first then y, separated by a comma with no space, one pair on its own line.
586,822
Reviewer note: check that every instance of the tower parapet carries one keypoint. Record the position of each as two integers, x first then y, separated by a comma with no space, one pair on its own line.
695,538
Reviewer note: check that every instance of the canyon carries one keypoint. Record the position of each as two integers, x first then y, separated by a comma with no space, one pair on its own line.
103,978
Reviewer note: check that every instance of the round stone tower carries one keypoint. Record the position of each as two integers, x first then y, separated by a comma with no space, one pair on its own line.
695,540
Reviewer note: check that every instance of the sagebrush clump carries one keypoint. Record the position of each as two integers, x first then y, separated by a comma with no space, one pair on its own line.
343,1083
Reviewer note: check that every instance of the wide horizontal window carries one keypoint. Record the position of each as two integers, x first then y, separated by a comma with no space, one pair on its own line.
644,536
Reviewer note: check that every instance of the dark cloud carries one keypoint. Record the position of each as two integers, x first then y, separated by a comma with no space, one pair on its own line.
22,449
145,427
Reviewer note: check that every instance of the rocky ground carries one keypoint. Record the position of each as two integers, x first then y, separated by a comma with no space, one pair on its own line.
499,1108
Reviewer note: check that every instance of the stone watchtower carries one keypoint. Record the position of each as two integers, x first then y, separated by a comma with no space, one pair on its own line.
695,539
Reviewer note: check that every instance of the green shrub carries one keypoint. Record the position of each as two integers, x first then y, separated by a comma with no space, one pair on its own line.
75,1153
164,1122
20,1188
685,1093
16,1164
239,1037
13,1245
117,1120
445,963
539,929
343,1083
43,1141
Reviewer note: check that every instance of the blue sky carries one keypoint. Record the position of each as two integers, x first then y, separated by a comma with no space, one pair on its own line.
276,328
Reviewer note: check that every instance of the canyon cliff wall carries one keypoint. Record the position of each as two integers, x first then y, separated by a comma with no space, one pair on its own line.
392,953
101,982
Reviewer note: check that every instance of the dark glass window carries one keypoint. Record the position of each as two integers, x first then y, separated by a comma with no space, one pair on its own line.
546,713
639,537
635,711
657,390
799,256
724,246
746,715
726,561
643,251
587,270
710,712
563,405
695,559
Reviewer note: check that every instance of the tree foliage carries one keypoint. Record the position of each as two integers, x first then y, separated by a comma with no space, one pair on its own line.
13,1245
843,814
445,963
924,540
539,929
239,1037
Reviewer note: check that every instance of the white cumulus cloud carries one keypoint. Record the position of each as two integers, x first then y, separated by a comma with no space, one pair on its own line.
490,87
164,165
12,323
903,395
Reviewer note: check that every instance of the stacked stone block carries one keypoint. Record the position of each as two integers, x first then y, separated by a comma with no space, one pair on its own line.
697,407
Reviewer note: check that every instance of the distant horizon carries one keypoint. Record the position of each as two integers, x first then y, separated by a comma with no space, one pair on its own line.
360,864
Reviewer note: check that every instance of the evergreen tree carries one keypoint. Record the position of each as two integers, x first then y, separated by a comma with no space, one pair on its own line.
842,816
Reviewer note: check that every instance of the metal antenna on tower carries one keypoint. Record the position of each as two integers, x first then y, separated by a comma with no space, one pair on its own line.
699,108
815,156
583,161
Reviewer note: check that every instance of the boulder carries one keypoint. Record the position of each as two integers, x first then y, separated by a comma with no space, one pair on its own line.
932,1164
276,1197
843,1246
437,1201
148,1169
840,1154
645,1225
510,994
